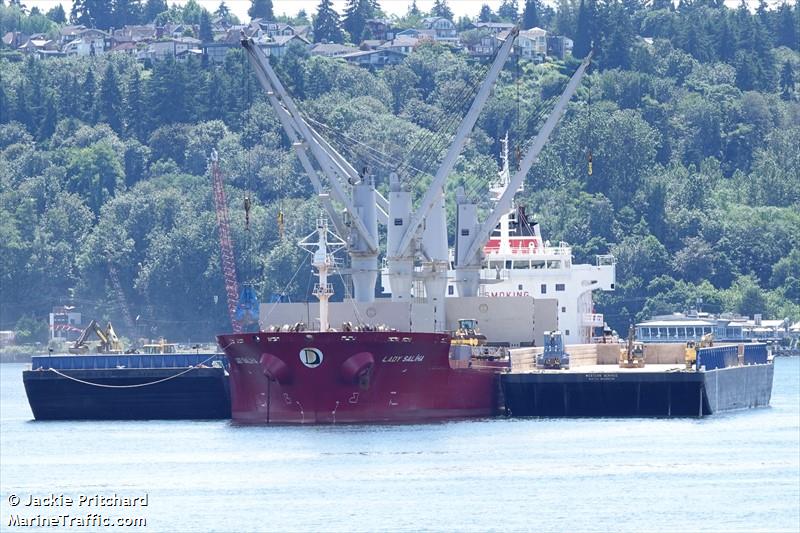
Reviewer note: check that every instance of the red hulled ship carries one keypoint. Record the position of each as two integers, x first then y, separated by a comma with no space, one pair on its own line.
361,374
364,376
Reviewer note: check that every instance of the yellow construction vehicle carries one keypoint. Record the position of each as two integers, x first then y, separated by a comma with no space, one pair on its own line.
632,354
109,342
706,341
468,333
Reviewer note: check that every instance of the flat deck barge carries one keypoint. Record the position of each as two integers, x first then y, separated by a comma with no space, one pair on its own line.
595,385
128,387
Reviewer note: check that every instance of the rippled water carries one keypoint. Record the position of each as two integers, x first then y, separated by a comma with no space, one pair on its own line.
736,471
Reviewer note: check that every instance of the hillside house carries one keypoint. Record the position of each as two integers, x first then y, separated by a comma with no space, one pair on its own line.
135,33
402,44
91,42
492,27
559,46
278,45
532,44
271,29
443,29
374,58
380,29
331,49
15,39
70,33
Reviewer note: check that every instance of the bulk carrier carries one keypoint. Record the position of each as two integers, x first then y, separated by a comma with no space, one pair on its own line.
395,358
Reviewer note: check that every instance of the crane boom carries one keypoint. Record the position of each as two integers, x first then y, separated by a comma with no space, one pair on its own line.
225,243
296,127
435,191
531,154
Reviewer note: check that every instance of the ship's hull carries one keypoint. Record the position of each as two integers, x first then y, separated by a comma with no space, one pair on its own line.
352,377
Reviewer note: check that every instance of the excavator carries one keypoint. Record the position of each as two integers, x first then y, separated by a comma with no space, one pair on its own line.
706,341
632,354
109,342
468,333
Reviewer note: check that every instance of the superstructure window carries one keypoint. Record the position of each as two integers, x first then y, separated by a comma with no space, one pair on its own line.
450,290
519,287
465,233
522,265
544,288
398,222
559,286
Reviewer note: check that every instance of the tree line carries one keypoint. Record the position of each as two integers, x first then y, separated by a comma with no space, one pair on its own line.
695,181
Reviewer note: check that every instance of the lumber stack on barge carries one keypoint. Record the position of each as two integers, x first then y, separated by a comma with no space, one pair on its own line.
723,378
128,387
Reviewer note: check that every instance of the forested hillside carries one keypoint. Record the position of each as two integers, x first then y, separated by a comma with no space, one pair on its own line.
691,117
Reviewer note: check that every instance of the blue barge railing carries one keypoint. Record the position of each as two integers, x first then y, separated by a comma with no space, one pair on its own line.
117,361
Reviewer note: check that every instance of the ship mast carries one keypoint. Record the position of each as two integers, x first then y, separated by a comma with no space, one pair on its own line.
322,250
472,236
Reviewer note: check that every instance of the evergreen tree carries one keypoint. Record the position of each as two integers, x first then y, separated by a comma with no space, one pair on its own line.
787,81
788,27
695,40
565,18
583,37
356,15
508,11
301,17
134,107
57,15
109,100
616,49
4,116
99,12
127,12
746,71
22,115
88,107
725,39
153,8
78,14
762,46
441,9
206,32
413,10
49,119
223,11
261,9
326,25
486,14
530,16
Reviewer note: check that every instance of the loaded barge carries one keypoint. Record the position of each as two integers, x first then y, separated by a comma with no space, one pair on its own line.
128,387
596,384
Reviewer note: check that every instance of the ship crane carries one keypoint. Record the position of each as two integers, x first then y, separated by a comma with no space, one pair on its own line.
365,207
471,237
427,226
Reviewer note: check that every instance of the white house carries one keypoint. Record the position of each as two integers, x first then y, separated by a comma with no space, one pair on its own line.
532,43
444,28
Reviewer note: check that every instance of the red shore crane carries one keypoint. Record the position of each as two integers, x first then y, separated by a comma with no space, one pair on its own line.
225,243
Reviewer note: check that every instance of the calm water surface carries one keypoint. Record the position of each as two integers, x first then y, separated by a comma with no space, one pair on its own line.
733,472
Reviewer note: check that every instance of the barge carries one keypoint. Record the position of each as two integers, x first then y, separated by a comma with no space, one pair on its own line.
128,387
723,378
